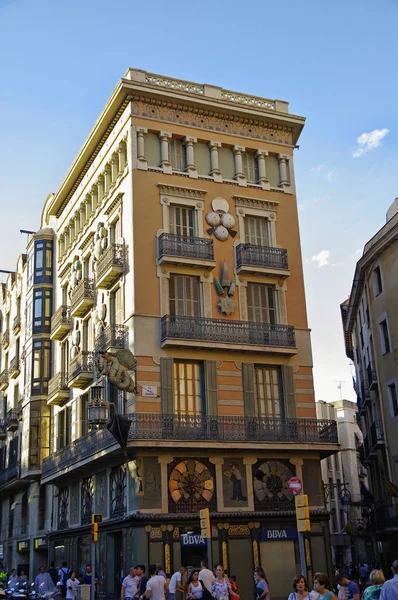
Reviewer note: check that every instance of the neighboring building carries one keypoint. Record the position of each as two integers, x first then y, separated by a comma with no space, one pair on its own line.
176,236
370,321
345,481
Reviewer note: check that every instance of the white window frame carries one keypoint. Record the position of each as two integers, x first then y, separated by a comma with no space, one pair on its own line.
266,209
380,320
166,201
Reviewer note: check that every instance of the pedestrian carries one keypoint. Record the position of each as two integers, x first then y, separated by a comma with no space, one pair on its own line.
221,588
234,584
261,582
143,580
159,570
363,574
130,585
43,582
156,585
22,579
63,577
322,587
300,587
373,591
194,586
351,589
71,586
206,577
389,591
13,580
175,584
52,571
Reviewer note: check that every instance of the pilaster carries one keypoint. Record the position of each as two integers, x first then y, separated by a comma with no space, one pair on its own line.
215,169
164,137
239,176
262,169
190,156
141,160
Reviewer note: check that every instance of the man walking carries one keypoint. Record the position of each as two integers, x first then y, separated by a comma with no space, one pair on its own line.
351,589
52,571
43,582
206,576
130,585
175,584
63,577
156,585
389,591
143,580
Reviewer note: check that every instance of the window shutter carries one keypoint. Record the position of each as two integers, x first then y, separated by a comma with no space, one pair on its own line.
211,388
167,385
248,389
289,392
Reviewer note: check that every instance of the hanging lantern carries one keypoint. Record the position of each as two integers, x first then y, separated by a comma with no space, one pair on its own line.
98,408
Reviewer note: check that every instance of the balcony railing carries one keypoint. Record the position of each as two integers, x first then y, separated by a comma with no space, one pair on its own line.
16,325
60,322
14,369
110,265
82,297
3,430
4,380
5,340
239,333
377,434
12,420
81,370
265,257
9,474
220,429
184,246
113,336
58,389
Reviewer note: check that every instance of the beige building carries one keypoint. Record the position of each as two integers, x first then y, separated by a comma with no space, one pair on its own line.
345,481
176,236
371,332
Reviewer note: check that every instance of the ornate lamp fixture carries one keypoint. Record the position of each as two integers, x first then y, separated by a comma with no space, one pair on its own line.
98,408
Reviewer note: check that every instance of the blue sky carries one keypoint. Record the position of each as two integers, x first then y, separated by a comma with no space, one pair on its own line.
334,62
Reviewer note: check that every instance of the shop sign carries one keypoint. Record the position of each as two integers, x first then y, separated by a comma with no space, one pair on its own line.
41,544
270,535
23,546
192,539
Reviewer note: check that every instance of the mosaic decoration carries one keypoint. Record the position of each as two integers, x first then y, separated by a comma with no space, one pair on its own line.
191,485
270,485
239,530
234,482
220,221
225,288
100,241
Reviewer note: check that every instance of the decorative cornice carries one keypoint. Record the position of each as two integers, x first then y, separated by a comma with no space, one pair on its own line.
114,204
87,242
182,192
64,268
258,203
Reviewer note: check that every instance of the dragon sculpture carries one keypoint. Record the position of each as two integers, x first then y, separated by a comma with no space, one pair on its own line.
117,368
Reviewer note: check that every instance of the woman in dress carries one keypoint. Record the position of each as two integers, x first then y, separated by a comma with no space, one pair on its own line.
194,588
71,586
22,579
221,588
262,589
322,587
376,579
300,587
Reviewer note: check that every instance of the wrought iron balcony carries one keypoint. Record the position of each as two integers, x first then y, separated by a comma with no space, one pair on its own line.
113,336
219,430
185,249
58,390
238,335
4,380
81,370
372,376
262,259
82,298
110,265
377,434
11,420
10,474
15,368
60,323
16,325
5,340
3,430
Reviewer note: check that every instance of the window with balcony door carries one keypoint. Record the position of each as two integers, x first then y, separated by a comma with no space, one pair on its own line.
250,167
88,334
116,307
182,220
115,231
268,391
261,303
257,231
184,296
64,427
177,155
188,388
65,357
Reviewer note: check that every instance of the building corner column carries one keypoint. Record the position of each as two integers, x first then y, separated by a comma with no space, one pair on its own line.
262,169
164,152
239,175
190,156
142,163
215,169
283,172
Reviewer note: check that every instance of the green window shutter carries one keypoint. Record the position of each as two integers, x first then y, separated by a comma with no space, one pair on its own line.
289,392
211,388
248,389
167,385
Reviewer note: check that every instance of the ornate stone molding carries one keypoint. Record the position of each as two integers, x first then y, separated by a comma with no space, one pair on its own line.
178,85
114,204
87,242
182,192
257,203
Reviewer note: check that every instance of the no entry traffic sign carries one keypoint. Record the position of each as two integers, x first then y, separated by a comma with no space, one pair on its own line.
294,485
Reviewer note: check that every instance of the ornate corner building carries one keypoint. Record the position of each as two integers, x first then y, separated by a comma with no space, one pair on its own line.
175,235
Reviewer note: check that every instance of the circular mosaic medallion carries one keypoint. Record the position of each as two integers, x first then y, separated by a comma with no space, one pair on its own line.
191,479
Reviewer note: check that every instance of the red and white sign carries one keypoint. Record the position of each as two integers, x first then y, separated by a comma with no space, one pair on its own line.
294,485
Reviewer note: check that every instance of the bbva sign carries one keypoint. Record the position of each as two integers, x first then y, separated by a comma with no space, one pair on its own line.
288,533
192,539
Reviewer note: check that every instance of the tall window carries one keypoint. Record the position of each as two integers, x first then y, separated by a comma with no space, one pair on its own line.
177,155
392,391
65,357
41,366
261,303
42,301
64,427
257,231
184,293
43,261
385,338
250,167
378,285
116,312
116,231
88,334
269,396
182,220
84,413
188,388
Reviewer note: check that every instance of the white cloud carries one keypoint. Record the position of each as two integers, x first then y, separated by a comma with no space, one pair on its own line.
318,199
330,175
369,141
316,169
358,252
301,208
322,258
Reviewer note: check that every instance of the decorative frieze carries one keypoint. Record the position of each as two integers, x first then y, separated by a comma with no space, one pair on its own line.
182,192
257,203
